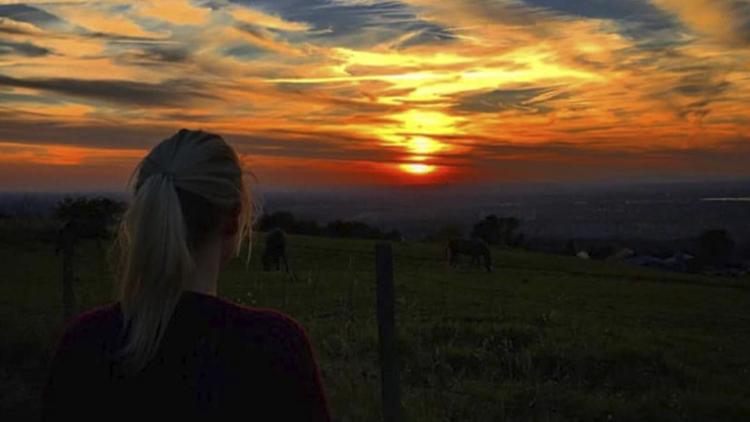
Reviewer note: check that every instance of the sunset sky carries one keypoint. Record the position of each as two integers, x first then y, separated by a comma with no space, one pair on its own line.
359,92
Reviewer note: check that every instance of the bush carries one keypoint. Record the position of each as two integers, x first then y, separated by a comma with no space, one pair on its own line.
498,231
715,247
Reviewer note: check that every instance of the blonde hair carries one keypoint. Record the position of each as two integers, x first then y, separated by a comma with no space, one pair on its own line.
179,189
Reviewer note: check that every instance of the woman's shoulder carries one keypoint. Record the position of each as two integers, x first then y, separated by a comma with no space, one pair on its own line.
96,317
260,325
262,319
93,325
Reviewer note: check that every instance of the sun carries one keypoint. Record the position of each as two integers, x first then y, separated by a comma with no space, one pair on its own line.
417,168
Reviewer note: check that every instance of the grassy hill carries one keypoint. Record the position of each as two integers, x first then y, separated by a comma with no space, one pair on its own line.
542,338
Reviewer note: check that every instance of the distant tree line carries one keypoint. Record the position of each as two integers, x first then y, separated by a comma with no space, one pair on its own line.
338,228
88,208
711,248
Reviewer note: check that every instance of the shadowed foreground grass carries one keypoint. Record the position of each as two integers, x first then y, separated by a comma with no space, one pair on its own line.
542,338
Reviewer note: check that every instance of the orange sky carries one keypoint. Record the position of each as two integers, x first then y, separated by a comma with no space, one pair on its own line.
360,92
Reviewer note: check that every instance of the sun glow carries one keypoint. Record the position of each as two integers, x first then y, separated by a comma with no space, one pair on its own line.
427,122
416,132
424,145
417,168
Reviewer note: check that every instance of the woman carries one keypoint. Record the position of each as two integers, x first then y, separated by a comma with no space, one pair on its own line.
169,347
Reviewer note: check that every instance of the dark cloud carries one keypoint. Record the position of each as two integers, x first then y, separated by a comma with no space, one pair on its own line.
10,97
505,99
167,54
702,87
29,14
120,39
639,10
251,29
651,27
171,92
245,51
251,51
427,36
85,135
313,146
740,11
288,144
153,55
22,49
354,25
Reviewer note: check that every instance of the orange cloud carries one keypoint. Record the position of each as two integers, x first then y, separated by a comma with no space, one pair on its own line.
56,155
179,12
724,20
101,19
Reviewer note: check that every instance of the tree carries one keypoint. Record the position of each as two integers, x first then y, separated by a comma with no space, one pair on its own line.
715,246
84,208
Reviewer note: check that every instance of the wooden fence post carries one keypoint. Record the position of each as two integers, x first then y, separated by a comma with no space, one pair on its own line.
391,392
315,290
350,299
66,240
285,292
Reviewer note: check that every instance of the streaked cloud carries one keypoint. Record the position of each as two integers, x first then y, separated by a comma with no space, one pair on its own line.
116,91
21,12
22,49
524,99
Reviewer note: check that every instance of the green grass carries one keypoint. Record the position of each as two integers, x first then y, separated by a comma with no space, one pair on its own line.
543,338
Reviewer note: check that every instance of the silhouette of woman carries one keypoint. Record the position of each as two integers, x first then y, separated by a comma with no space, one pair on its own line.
169,347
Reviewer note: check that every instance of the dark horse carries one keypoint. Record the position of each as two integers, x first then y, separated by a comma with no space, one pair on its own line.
275,250
475,248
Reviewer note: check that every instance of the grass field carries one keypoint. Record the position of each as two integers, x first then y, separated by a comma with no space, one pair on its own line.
543,338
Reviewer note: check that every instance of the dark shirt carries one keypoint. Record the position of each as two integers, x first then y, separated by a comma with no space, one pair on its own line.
217,360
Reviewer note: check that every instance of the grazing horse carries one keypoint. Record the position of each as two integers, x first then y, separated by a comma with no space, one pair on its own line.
475,248
275,250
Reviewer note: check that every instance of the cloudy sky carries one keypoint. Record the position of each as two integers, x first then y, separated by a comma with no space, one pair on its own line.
360,92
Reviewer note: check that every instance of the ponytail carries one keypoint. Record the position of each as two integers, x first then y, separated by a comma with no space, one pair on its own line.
157,239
